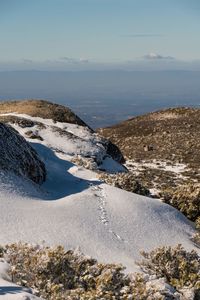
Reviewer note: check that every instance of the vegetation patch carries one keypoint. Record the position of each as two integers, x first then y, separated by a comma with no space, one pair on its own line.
42,109
56,274
185,198
179,267
125,181
196,237
86,162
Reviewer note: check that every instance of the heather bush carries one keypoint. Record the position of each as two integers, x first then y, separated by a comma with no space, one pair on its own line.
125,181
185,198
196,236
56,274
180,268
196,239
1,251
86,162
197,223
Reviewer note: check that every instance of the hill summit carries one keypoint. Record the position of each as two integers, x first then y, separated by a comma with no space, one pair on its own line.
162,146
43,109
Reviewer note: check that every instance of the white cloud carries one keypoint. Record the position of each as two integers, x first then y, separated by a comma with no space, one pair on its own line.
156,56
72,60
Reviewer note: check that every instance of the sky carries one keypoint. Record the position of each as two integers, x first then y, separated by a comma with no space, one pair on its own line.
84,34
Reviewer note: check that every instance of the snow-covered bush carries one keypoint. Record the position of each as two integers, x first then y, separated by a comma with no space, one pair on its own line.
197,223
125,181
56,274
180,268
1,251
185,198
86,162
196,239
196,236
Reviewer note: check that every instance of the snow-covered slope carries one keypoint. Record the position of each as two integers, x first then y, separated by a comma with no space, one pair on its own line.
75,209
76,141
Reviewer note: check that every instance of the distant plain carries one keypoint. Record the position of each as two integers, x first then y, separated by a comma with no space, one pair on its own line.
104,98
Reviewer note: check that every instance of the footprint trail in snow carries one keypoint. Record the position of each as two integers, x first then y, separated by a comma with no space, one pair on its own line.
99,193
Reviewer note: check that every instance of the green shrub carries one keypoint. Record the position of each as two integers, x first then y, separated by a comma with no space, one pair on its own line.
197,223
179,267
125,181
56,274
185,198
1,251
86,162
196,239
196,236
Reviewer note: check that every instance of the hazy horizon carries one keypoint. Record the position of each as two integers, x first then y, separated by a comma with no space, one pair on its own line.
107,59
103,98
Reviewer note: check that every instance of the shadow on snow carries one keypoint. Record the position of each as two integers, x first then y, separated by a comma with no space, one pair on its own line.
59,182
4,290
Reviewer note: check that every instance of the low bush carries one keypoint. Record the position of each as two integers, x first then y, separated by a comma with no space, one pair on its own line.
185,198
1,251
125,181
86,162
180,268
56,274
197,223
196,236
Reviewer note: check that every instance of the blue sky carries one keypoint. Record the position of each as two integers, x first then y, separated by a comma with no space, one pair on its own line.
84,33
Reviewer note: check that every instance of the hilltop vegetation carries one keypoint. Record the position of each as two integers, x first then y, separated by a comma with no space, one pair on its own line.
56,274
43,109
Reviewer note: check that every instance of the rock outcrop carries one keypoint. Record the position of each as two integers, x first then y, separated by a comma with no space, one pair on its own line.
17,155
